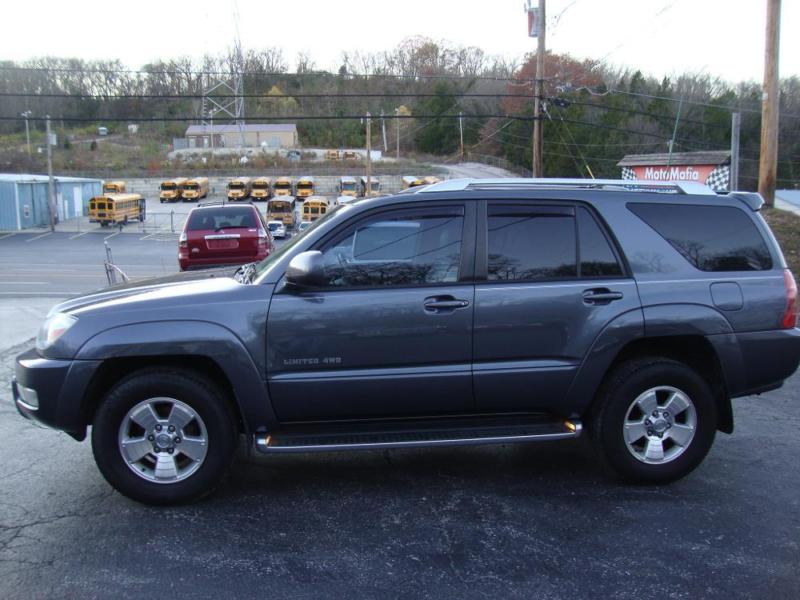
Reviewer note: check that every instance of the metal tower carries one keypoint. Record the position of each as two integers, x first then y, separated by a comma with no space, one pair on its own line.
223,93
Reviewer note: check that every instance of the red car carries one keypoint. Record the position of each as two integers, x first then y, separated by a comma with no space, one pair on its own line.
223,234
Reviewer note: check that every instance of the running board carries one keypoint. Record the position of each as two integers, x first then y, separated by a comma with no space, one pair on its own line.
322,441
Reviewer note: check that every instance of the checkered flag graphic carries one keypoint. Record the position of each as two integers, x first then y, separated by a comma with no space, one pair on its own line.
627,173
719,179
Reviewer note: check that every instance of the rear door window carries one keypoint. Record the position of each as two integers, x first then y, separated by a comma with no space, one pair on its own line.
711,238
597,258
222,218
531,243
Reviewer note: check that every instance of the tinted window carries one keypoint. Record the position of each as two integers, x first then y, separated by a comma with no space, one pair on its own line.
531,244
597,257
712,238
221,218
407,250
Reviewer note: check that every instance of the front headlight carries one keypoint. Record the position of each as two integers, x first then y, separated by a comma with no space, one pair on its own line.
53,328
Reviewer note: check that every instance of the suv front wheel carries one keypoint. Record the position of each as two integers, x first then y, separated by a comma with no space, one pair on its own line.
654,420
164,436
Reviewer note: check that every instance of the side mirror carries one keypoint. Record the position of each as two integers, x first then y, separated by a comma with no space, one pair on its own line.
305,270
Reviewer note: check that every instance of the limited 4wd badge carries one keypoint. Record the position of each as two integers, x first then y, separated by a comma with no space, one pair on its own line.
327,360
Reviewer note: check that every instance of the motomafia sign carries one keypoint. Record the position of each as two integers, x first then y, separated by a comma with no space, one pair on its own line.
710,168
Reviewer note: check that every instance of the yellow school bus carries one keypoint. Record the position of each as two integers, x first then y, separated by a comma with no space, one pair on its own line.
304,188
431,179
410,181
314,207
282,209
262,188
170,190
111,209
331,155
194,189
239,188
347,186
282,186
374,183
113,187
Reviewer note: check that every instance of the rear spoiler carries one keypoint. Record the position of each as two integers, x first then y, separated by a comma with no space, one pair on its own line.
753,200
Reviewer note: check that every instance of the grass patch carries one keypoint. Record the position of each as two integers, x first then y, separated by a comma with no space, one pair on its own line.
786,227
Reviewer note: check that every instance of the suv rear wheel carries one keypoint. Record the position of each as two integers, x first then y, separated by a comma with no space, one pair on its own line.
164,436
654,420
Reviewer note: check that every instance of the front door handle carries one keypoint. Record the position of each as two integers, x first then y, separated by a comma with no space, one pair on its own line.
601,296
443,303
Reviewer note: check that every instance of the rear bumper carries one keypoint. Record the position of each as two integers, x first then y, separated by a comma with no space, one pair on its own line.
757,361
768,358
206,263
50,392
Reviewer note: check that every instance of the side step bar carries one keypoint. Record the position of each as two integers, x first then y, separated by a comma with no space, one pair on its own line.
282,443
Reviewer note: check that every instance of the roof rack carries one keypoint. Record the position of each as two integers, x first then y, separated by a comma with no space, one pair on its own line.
672,187
223,203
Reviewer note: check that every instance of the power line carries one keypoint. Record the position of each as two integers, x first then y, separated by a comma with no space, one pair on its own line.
640,112
271,118
262,96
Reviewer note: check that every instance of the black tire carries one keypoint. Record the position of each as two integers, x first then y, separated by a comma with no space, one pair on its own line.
621,388
189,387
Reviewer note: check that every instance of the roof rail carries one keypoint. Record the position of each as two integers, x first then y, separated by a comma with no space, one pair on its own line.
673,187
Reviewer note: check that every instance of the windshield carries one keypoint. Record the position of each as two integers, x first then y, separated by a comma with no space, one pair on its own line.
168,186
274,226
235,186
190,186
258,185
348,186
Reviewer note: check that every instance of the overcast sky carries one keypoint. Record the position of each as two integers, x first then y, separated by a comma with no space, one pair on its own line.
660,37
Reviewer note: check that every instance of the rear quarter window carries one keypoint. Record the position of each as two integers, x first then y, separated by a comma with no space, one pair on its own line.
711,238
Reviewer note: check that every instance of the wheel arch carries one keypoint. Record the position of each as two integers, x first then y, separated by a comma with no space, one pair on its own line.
695,351
210,350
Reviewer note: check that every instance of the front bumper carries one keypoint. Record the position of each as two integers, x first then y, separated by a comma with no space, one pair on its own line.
58,386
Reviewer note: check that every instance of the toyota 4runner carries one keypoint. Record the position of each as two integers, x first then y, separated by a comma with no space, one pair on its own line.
464,312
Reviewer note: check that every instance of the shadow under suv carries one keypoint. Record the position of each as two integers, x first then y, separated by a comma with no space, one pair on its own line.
464,312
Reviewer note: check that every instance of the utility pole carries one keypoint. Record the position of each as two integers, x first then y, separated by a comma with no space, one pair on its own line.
461,133
538,91
768,162
383,128
397,129
27,115
369,157
50,187
736,122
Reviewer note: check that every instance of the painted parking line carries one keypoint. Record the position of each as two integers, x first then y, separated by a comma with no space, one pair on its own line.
39,236
24,282
77,235
5,235
108,237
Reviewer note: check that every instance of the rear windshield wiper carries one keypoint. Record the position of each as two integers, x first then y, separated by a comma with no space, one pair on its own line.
220,228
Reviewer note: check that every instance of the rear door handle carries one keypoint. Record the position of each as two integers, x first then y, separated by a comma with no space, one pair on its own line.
601,296
444,303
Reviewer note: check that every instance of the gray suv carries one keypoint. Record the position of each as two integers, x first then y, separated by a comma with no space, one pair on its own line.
464,312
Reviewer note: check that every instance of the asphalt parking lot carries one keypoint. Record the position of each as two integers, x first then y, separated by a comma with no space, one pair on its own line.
526,521
514,521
